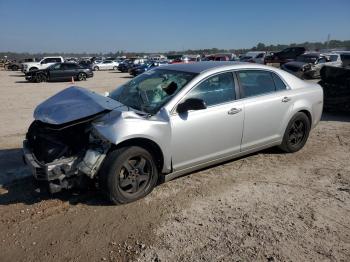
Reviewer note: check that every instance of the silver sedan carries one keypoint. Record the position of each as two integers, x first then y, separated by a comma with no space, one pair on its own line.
168,122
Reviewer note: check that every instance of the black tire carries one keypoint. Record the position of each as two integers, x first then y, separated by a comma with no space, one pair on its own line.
40,78
33,68
296,134
115,68
14,68
96,68
125,177
81,76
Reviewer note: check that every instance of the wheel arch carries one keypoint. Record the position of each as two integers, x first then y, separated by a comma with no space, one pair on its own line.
307,113
146,144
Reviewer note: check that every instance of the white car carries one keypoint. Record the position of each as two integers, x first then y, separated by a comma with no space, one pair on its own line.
42,64
254,57
106,65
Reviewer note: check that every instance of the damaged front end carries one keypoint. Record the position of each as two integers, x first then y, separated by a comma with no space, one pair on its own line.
61,146
62,154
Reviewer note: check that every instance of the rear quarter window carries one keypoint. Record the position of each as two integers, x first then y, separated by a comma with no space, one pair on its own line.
280,85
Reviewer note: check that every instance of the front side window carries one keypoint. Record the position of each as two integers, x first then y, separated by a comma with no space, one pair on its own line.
256,82
322,60
215,90
71,66
56,67
151,90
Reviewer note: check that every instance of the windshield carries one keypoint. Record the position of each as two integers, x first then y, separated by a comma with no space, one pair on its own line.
307,59
151,90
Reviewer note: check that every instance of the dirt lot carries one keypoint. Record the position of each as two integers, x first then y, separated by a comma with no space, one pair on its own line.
268,206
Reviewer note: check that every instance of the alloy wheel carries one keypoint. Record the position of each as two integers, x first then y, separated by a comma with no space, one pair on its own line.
296,133
135,175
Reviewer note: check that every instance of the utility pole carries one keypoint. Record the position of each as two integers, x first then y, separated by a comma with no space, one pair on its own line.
328,39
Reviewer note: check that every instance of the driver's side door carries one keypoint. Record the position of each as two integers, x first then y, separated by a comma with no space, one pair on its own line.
209,134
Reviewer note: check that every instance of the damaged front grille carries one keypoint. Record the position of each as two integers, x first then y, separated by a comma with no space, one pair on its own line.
51,142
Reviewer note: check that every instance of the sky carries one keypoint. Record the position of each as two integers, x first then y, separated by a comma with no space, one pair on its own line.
160,26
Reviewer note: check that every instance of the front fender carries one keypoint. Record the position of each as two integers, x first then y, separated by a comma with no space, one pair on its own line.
117,127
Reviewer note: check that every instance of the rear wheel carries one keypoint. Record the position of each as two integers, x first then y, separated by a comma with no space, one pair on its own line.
96,68
81,76
115,68
40,78
296,134
14,68
128,174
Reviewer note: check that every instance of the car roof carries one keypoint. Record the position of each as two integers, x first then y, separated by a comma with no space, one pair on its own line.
204,66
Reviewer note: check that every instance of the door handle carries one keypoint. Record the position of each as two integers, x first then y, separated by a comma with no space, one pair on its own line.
233,111
286,99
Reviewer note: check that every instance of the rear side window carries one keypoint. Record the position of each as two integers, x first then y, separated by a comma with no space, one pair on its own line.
215,90
257,82
71,66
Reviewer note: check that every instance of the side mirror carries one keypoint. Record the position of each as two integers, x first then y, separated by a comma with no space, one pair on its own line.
191,104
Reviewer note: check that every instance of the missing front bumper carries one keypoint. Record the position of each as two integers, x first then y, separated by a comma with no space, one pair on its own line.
64,173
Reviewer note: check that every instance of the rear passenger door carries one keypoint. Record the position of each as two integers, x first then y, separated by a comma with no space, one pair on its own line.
56,72
70,70
267,103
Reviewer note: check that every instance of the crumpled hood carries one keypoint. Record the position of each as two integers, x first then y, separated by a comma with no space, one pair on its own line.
73,103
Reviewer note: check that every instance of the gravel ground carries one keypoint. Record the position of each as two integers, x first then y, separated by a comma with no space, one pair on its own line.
268,206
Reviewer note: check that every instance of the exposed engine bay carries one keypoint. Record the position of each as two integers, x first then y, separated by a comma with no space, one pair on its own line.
62,154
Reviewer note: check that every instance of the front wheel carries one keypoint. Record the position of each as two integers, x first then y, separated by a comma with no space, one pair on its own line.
128,174
115,68
96,68
296,134
40,78
81,76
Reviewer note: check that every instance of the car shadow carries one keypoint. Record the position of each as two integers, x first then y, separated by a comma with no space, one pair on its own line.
126,77
17,75
23,82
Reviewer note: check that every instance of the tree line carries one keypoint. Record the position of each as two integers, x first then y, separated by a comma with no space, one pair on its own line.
332,44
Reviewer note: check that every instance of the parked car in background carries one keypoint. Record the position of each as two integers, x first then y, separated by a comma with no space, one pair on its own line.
126,65
309,65
219,57
168,122
254,57
335,82
137,70
106,65
286,55
42,64
59,72
86,64
13,65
